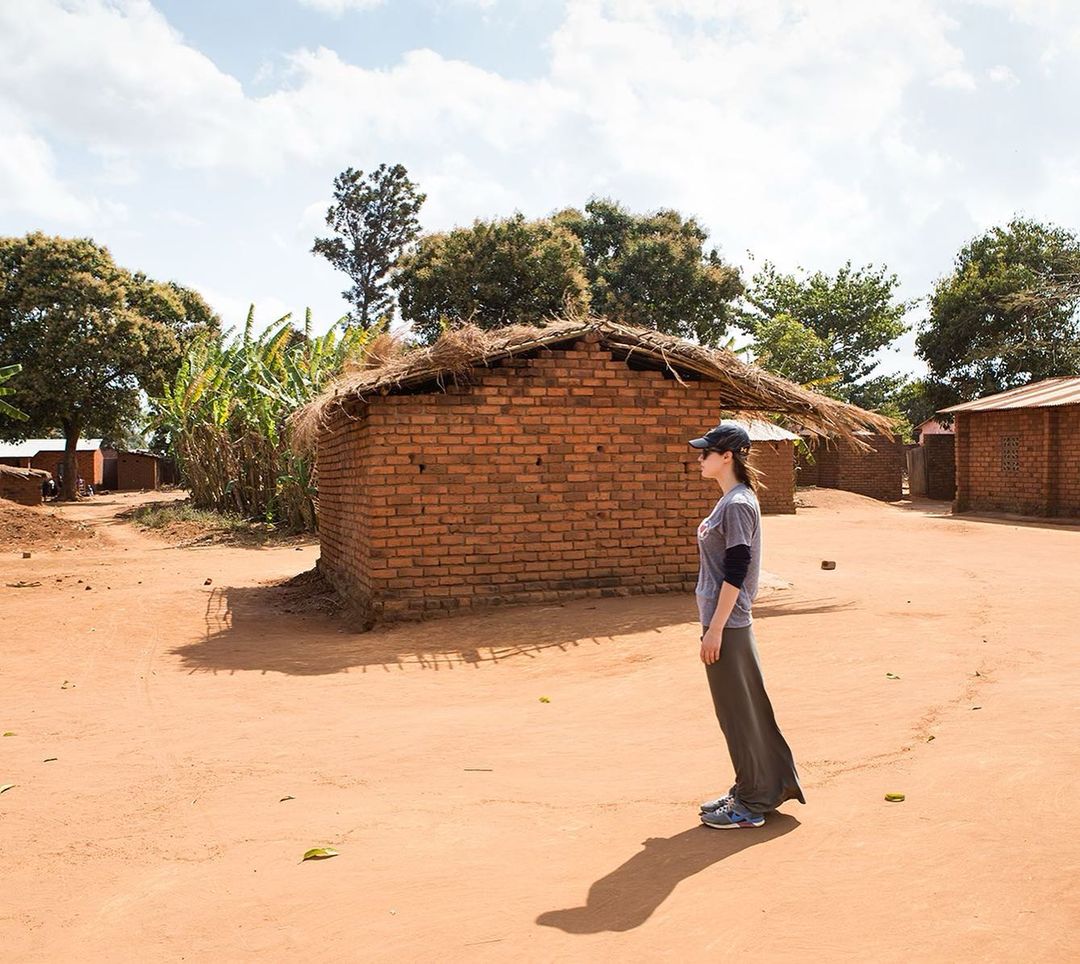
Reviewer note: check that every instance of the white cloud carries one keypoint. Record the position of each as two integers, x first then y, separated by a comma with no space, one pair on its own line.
233,309
1002,74
30,186
807,132
955,79
337,7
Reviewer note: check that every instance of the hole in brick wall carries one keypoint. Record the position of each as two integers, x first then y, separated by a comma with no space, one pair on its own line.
539,461
421,468
599,448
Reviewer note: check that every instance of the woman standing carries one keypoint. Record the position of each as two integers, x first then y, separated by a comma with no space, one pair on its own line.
729,541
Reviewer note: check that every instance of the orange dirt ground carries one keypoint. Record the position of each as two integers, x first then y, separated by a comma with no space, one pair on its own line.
476,823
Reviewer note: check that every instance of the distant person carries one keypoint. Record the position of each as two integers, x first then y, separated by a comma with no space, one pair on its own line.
729,543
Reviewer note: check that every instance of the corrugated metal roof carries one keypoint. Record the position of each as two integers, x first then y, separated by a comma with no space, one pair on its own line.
31,447
1048,392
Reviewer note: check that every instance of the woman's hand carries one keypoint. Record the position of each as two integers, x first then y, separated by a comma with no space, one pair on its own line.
710,645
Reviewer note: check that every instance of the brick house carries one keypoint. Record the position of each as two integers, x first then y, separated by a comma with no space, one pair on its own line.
529,464
47,454
1019,451
774,457
137,470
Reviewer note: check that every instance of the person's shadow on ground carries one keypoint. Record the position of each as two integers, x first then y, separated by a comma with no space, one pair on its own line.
626,898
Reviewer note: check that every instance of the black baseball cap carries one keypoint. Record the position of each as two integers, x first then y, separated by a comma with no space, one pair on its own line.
726,437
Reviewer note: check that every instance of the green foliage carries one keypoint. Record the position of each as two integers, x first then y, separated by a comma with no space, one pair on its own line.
5,408
790,349
854,313
225,414
1008,313
493,273
88,335
374,219
652,270
649,270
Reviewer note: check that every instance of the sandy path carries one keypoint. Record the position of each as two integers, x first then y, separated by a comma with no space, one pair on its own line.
476,823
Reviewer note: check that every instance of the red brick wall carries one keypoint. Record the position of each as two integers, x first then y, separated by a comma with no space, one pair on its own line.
1045,478
561,475
877,474
135,471
16,462
26,490
939,450
1067,461
91,464
776,461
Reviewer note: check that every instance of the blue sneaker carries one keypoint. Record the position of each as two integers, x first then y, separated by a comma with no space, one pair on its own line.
719,803
734,815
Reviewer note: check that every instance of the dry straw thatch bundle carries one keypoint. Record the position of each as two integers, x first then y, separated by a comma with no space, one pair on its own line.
748,390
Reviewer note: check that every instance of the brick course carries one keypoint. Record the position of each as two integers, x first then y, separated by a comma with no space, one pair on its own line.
560,474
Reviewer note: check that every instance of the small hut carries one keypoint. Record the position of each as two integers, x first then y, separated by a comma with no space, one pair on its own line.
24,486
1019,451
774,457
530,464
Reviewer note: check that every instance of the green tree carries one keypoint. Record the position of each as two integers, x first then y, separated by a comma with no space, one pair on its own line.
855,312
7,409
652,270
493,273
1007,315
90,337
374,219
788,348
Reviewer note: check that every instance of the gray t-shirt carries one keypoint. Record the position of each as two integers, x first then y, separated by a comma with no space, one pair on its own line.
734,521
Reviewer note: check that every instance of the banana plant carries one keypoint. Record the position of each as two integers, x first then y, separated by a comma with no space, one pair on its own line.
6,409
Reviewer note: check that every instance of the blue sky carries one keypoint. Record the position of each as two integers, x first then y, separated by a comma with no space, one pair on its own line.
199,139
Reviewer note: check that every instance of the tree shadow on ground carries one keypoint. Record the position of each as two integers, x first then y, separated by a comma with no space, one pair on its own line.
247,629
262,629
628,896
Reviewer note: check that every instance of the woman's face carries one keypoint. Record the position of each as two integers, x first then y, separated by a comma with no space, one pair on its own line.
712,463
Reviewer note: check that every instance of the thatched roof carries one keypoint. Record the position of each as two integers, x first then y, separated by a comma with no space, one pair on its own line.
747,389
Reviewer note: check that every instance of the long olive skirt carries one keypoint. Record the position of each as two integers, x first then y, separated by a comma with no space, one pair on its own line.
765,773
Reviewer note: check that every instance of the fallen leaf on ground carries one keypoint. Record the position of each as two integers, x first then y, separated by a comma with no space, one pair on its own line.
283,799
6,786
545,699
49,759
892,676
895,797
319,853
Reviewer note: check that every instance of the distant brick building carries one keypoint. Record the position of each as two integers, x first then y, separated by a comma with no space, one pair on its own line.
21,485
774,457
554,464
137,470
1019,451
47,454
877,473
